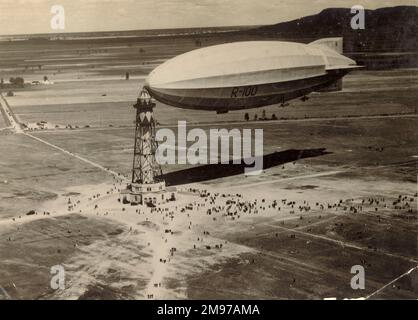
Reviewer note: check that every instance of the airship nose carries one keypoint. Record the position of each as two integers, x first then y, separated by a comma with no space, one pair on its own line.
148,83
150,80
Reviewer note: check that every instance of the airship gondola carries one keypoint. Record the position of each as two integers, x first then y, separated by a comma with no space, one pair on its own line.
250,74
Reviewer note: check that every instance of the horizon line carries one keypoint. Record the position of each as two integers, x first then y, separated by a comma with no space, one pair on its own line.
129,30
191,27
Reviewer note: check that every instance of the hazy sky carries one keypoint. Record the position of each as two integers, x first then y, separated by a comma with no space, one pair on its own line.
34,16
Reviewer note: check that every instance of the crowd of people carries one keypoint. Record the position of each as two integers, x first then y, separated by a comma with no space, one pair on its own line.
187,214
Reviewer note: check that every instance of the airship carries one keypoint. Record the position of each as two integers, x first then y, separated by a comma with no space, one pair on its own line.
249,74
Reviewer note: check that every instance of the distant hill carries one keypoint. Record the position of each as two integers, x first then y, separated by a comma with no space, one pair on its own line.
393,29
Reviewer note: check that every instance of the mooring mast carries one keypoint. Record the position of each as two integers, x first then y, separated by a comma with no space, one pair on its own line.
145,169
147,185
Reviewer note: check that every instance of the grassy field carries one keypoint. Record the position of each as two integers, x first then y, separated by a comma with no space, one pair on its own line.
279,269
360,144
104,103
278,266
32,173
38,245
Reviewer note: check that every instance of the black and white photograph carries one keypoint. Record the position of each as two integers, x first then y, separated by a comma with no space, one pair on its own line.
210,150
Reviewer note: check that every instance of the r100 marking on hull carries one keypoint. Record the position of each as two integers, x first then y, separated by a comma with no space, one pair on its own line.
242,92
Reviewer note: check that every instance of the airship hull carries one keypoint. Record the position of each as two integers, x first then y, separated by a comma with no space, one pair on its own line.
244,97
267,73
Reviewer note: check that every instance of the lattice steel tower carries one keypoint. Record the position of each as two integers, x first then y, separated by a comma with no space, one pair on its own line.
146,170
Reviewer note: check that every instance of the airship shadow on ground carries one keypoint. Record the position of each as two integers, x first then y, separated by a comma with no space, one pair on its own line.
219,170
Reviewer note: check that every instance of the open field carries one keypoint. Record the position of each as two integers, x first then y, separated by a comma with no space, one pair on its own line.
347,160
346,175
355,144
104,103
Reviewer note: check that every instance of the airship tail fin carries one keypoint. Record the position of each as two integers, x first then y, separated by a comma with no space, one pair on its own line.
335,44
